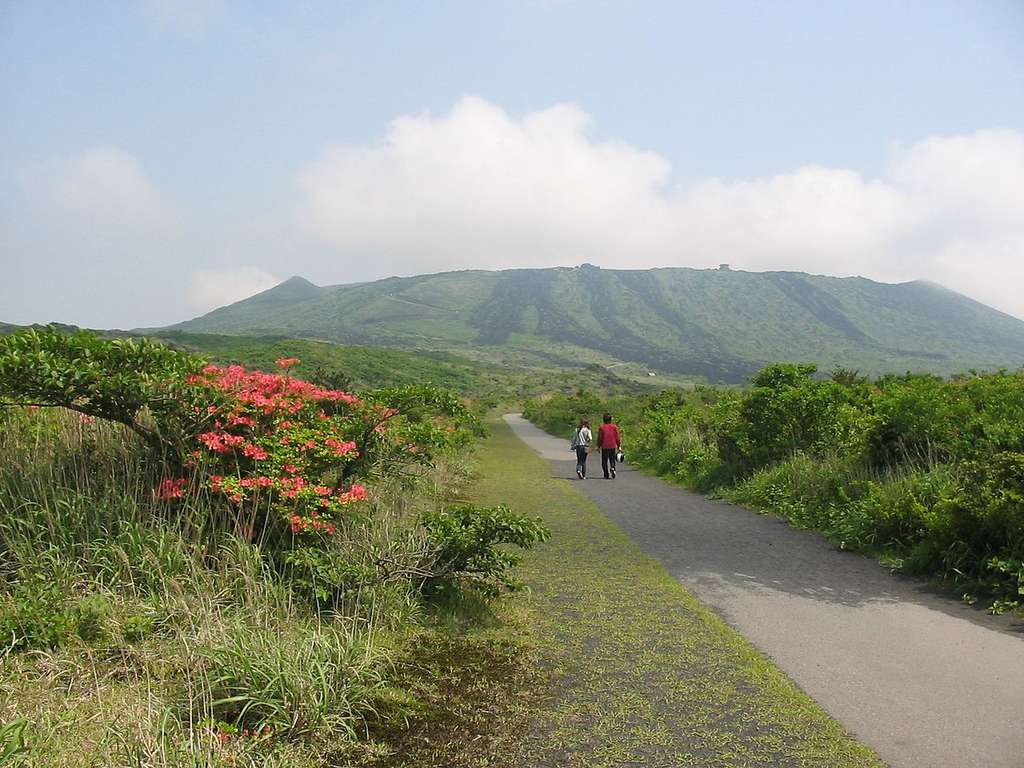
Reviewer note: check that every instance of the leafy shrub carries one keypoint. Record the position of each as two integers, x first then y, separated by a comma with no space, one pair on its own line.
134,382
924,470
788,411
275,459
325,573
466,541
41,613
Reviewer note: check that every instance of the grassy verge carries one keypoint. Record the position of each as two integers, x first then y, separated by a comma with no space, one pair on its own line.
134,632
638,672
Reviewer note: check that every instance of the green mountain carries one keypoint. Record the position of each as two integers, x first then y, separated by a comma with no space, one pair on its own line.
717,324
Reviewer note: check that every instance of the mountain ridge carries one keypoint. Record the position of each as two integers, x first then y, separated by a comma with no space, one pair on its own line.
719,324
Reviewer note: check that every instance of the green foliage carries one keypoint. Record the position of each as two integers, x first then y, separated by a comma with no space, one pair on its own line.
924,471
327,573
266,679
41,613
13,749
668,320
787,410
466,541
138,383
926,418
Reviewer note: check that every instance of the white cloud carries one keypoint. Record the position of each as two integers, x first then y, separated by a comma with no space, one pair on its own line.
480,188
210,288
104,189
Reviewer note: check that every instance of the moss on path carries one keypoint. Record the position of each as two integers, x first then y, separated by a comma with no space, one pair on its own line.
639,671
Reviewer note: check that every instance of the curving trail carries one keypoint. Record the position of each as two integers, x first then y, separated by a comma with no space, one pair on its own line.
922,679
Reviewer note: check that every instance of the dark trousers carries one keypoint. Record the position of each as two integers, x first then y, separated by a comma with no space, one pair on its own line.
608,460
581,460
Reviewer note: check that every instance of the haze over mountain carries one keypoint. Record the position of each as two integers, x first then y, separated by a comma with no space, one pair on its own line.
719,324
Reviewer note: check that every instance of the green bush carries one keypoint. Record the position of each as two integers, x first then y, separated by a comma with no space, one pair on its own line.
43,613
788,410
135,382
466,548
924,471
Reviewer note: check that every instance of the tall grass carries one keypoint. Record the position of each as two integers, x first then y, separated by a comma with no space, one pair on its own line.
137,634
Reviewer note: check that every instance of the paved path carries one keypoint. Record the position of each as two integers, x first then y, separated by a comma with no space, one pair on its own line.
924,680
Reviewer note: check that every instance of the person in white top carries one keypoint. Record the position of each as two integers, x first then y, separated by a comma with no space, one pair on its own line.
581,444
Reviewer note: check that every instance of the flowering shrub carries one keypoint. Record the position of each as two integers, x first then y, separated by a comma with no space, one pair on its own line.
282,445
289,463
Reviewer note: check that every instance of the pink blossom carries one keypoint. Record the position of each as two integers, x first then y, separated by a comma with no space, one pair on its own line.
254,451
171,489
340,448
356,493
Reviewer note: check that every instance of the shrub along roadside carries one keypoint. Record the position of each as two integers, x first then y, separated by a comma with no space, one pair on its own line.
237,592
924,472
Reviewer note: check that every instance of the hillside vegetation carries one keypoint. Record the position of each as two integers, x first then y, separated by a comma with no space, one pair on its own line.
209,565
924,472
719,325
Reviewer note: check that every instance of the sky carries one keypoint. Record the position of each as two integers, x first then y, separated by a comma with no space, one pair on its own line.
164,157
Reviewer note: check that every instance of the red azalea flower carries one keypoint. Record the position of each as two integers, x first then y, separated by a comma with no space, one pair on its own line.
254,452
171,489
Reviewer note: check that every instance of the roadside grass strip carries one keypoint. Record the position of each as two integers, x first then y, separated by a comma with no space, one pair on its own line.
639,672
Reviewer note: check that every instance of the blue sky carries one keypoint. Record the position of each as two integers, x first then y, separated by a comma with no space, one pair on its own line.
158,158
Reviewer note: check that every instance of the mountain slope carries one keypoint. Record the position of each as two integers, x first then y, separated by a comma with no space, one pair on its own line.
719,324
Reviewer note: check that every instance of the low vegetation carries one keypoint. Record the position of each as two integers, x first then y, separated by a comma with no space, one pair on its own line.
925,472
206,565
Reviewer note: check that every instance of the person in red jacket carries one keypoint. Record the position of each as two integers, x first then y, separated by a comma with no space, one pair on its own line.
609,442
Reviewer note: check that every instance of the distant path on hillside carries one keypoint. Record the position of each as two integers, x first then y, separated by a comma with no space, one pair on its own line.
922,679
